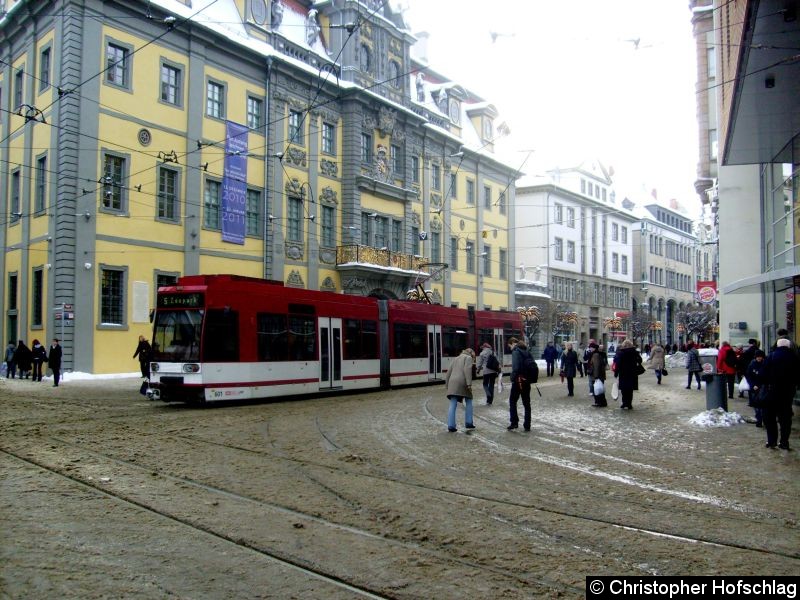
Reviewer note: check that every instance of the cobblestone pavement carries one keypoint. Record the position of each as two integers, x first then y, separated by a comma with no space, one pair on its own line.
108,495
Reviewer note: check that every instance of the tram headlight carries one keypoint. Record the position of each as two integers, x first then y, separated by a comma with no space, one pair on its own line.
154,367
191,368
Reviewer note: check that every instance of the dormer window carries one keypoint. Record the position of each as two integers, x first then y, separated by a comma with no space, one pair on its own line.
394,74
454,110
488,129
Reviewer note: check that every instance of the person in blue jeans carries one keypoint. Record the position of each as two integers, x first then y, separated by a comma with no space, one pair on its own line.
459,388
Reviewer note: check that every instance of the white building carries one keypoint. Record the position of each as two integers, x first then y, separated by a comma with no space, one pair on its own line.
571,225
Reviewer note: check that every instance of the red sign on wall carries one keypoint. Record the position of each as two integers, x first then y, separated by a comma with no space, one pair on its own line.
706,291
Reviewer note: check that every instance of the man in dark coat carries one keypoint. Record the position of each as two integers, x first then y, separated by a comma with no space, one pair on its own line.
783,376
550,355
143,351
519,386
628,365
24,360
54,361
569,366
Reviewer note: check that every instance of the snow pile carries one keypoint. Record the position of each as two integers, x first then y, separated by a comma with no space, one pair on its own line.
678,359
717,418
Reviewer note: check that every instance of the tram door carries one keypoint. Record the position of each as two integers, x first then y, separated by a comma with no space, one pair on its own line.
435,352
499,345
330,353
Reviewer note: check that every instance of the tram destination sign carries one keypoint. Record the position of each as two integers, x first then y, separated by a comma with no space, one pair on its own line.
194,300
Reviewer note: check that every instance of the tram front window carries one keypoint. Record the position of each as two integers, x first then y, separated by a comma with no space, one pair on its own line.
176,335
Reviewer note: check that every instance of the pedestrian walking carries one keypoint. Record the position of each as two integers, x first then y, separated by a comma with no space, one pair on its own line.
143,351
38,358
459,388
54,361
628,368
756,378
726,365
549,356
11,364
693,366
782,377
23,358
657,360
520,385
597,368
587,357
488,366
569,368
745,358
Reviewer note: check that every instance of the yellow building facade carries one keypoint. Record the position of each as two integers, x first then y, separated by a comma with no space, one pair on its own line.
357,175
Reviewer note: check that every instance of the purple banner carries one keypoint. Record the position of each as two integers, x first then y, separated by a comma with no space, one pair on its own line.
234,184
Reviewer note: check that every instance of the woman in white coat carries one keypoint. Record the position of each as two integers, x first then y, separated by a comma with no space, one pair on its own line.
459,387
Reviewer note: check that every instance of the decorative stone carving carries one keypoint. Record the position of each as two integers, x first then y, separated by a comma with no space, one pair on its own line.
398,134
352,283
386,119
294,188
312,27
296,157
276,13
328,285
420,82
370,122
436,200
329,196
436,225
415,220
294,250
327,256
395,46
295,280
382,171
328,168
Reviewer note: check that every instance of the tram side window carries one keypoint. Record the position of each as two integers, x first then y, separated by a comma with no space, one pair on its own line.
486,336
221,331
273,337
302,338
360,339
410,341
508,334
454,340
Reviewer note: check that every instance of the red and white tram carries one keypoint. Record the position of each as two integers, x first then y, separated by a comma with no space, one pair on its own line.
227,337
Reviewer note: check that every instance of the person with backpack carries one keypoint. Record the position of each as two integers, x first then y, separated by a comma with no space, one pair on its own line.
524,373
488,366
726,365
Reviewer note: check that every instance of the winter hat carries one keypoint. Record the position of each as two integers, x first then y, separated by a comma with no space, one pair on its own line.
760,353
486,345
784,343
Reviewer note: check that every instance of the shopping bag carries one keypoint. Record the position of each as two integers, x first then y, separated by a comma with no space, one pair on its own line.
744,385
664,372
599,388
615,390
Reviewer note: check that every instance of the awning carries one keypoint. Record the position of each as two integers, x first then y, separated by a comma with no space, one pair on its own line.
782,278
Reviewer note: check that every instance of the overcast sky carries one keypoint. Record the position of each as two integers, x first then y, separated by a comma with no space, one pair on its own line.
580,79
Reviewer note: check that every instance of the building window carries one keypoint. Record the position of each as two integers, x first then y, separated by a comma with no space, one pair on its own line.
571,218
328,138
118,65
211,204
436,177
624,265
366,148
294,221
253,213
328,227
394,74
19,88
215,100
381,224
571,252
503,263
454,254
415,169
487,197
397,236
614,262
255,112
470,192
295,127
713,146
366,229
415,241
583,186
558,218
395,156
40,201
470,253
38,298
624,234
436,247
15,199
614,232
559,249
364,58
167,194
114,176
44,69
487,260
12,293
453,189
112,297
171,84
501,202
604,194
